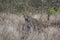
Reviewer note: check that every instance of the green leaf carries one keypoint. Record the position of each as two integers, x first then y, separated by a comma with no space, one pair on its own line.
52,11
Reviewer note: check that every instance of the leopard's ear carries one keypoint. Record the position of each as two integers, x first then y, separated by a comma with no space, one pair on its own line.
24,15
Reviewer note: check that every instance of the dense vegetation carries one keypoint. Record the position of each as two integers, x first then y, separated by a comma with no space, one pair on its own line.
30,6
41,23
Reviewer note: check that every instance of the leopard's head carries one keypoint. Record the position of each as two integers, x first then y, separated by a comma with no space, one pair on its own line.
26,16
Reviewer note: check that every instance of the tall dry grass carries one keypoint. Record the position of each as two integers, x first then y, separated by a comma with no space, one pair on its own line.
12,27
